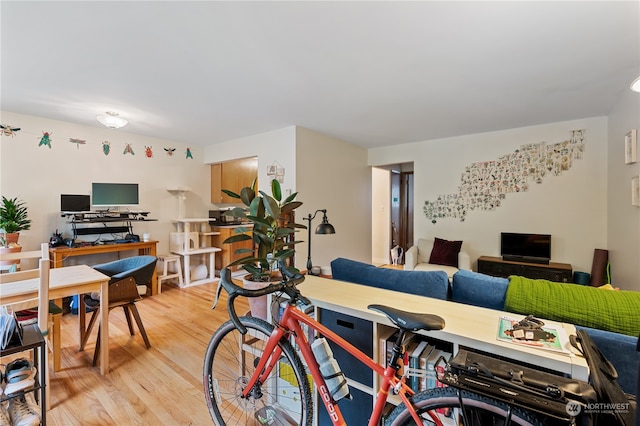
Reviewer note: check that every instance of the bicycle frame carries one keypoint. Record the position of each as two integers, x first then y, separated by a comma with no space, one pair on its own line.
288,325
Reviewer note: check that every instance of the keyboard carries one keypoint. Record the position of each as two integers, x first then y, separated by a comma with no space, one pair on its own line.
122,241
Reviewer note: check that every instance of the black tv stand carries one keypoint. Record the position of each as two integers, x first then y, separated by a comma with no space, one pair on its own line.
526,259
498,267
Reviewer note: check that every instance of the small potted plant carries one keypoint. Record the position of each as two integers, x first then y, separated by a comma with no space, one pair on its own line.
273,236
13,218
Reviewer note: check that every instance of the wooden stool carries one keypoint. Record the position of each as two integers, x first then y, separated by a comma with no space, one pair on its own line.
166,275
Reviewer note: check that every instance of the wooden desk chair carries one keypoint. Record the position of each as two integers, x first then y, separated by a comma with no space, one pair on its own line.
54,311
42,302
126,274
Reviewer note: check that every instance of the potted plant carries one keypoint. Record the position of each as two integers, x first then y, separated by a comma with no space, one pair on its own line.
13,218
273,236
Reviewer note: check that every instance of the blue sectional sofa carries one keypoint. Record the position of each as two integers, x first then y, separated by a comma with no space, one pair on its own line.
490,292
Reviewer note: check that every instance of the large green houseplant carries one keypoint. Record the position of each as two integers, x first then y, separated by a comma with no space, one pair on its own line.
14,218
272,234
273,231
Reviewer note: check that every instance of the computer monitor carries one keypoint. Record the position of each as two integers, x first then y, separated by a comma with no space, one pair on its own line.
114,194
75,203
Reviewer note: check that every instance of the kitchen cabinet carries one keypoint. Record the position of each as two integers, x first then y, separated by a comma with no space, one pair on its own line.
232,175
228,251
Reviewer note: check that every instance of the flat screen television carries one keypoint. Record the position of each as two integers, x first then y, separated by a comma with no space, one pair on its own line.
535,248
107,195
75,203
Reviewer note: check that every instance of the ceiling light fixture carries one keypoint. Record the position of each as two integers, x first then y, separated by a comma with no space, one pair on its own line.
635,86
111,120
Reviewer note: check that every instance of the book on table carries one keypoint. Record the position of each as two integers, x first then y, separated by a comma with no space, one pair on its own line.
545,337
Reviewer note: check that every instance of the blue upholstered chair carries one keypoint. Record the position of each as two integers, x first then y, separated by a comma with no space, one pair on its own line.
126,274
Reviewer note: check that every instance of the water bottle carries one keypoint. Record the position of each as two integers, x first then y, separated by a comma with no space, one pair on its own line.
330,370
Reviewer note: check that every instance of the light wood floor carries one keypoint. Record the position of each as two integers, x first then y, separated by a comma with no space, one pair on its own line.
157,386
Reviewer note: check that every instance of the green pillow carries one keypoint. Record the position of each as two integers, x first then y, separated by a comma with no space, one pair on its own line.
617,311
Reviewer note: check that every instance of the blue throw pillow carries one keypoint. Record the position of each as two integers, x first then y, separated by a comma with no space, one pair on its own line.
473,288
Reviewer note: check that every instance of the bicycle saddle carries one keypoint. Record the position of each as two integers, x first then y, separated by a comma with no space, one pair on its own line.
410,320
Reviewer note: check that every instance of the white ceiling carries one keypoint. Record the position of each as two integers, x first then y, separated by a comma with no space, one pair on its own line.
371,73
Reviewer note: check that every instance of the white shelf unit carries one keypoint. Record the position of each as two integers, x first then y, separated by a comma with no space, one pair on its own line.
466,326
192,239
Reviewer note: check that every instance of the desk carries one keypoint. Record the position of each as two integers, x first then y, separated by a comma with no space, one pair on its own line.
65,282
466,325
59,254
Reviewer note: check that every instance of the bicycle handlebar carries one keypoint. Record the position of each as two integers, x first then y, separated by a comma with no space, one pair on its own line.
287,286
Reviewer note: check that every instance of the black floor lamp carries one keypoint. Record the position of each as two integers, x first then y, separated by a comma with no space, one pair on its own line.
324,228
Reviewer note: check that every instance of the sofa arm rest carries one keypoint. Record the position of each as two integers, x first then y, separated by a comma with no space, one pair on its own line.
464,261
411,258
620,350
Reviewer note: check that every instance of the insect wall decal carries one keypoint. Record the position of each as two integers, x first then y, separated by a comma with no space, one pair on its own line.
78,142
106,147
170,151
128,149
189,155
45,139
7,130
148,152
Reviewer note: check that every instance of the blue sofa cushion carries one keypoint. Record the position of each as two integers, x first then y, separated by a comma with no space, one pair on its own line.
422,283
477,289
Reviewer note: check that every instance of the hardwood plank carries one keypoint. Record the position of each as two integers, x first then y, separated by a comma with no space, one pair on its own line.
160,385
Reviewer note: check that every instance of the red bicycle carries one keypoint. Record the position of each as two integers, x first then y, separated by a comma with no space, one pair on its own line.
253,374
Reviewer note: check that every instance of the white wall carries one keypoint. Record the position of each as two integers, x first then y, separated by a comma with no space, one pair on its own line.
277,145
327,173
380,215
572,207
623,239
334,175
38,175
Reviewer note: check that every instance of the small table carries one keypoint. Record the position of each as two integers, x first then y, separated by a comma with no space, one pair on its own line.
65,282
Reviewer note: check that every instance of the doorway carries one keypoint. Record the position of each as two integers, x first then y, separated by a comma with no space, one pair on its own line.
392,215
401,209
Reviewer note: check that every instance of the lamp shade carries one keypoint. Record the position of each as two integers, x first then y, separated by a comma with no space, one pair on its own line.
635,86
325,228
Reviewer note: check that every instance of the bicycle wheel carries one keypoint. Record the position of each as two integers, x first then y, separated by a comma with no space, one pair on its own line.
444,403
284,398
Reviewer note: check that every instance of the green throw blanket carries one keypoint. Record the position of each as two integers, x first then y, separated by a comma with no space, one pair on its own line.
609,310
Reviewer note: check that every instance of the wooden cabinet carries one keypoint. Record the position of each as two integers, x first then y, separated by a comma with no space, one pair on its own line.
495,266
228,251
232,175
